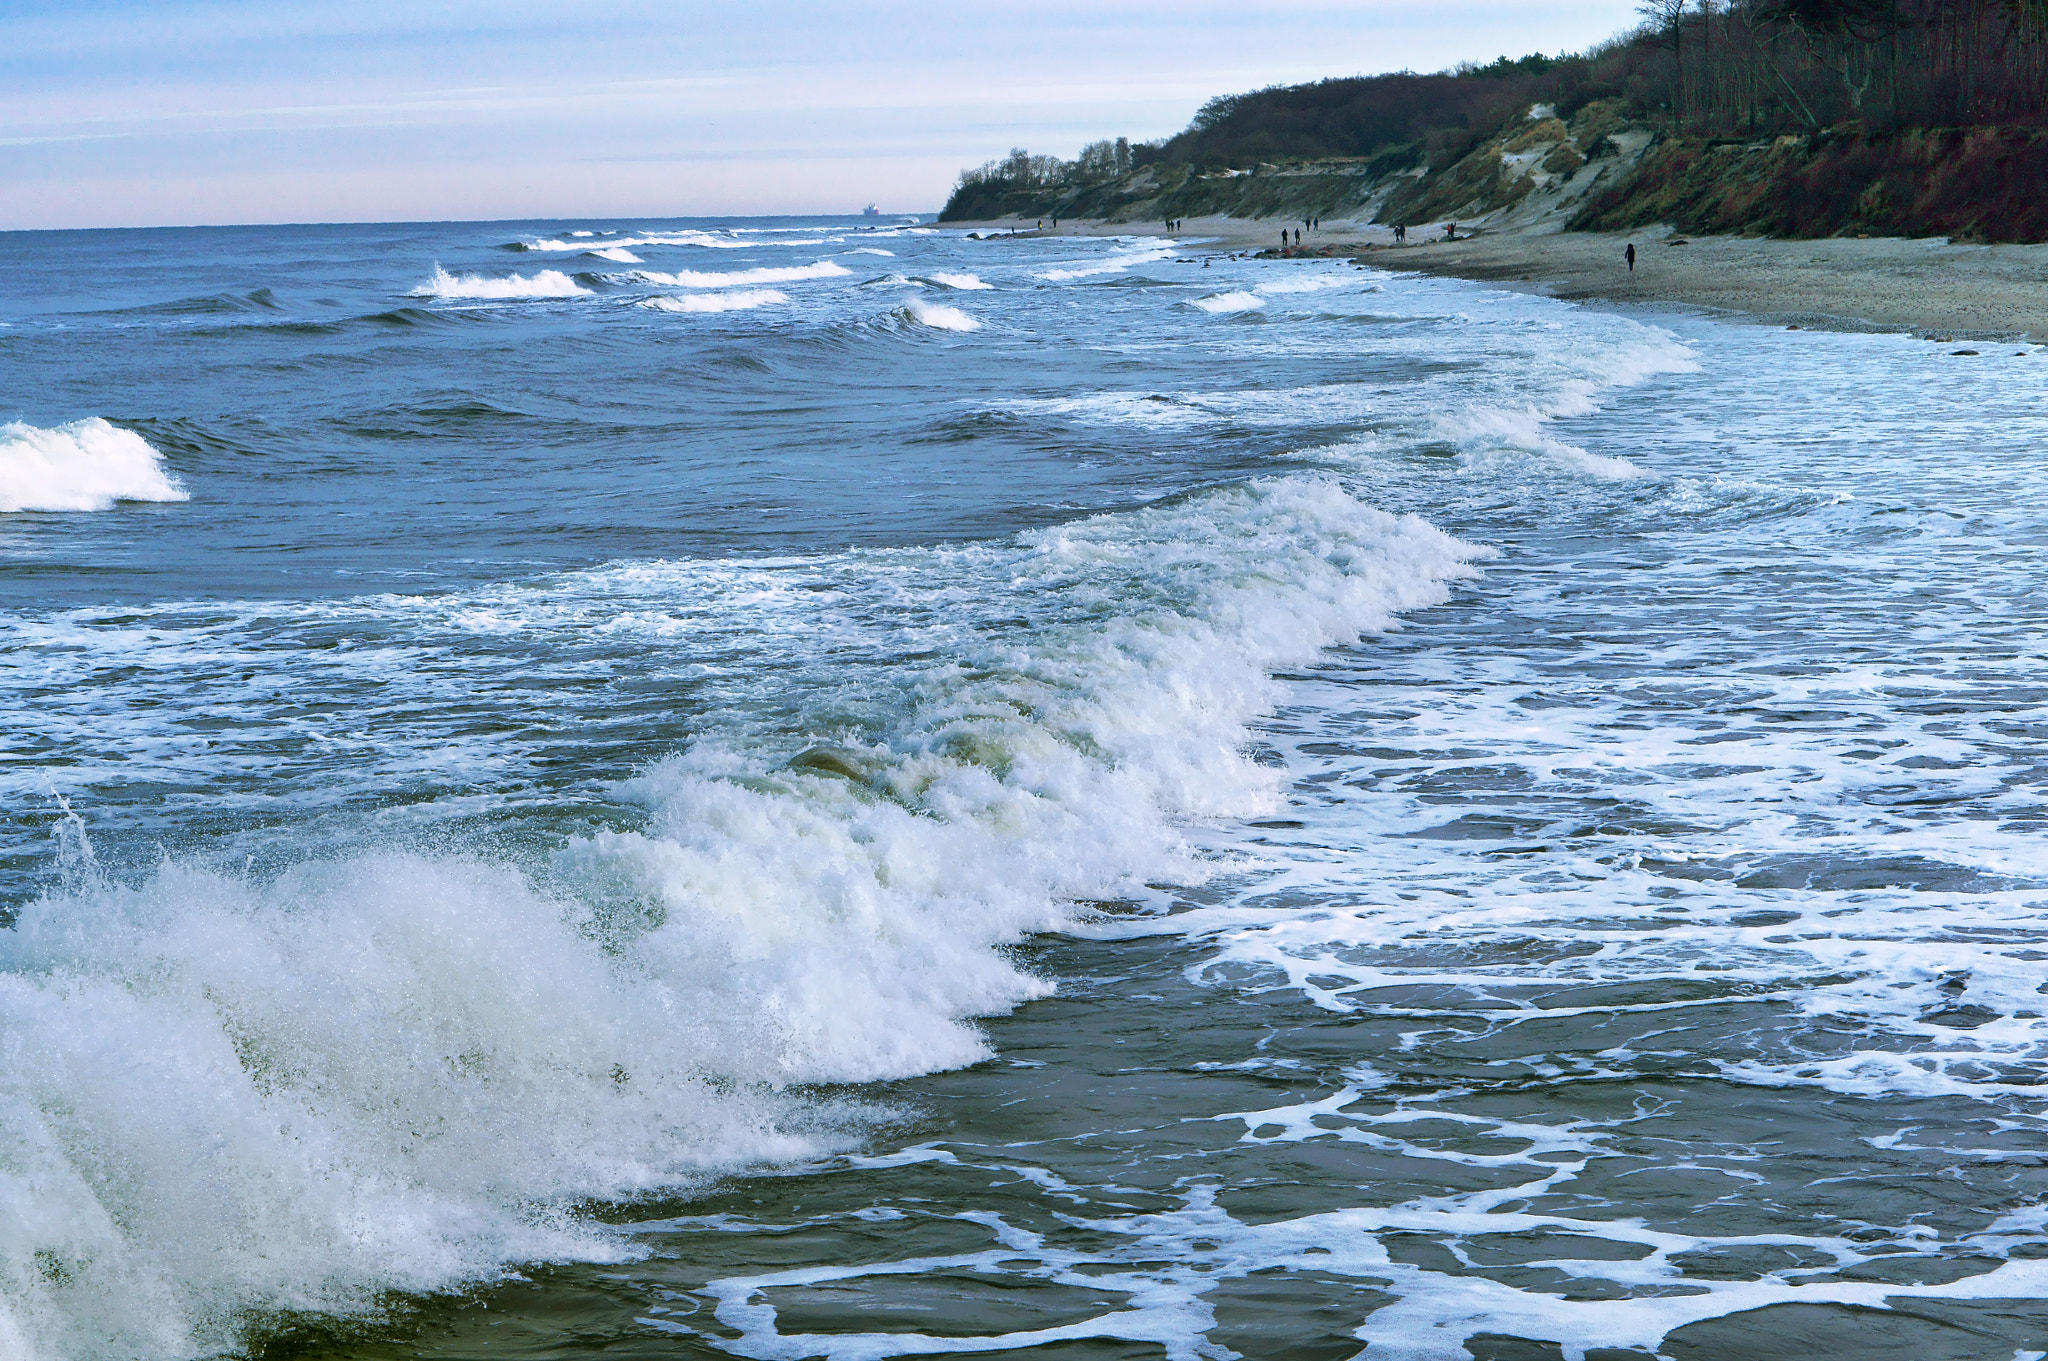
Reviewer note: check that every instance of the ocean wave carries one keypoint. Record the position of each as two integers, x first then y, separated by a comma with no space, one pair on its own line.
767,274
547,283
689,238
938,316
970,282
869,250
1115,264
81,465
1229,302
1314,283
616,254
230,1094
734,300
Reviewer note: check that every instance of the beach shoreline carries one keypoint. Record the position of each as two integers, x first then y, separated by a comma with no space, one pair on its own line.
1935,287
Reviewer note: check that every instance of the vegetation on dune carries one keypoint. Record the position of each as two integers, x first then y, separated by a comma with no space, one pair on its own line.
1795,117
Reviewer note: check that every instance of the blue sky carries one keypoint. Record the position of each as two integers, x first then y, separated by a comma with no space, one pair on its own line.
213,111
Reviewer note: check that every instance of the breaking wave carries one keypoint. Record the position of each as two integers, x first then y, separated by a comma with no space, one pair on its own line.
547,283
767,274
228,1094
1229,302
735,300
938,316
81,465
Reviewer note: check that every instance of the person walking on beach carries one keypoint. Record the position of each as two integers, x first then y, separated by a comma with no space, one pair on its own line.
1631,255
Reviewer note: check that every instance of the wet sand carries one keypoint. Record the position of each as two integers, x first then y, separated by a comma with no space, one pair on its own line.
1928,286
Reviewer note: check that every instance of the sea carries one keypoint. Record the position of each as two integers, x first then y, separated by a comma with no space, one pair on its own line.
821,788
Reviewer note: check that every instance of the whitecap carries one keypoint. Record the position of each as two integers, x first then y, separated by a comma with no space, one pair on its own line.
81,465
767,274
547,283
938,316
1115,264
733,300
966,281
1314,283
1236,301
230,1094
616,254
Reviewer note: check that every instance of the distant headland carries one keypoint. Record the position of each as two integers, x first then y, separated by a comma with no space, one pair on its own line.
1790,118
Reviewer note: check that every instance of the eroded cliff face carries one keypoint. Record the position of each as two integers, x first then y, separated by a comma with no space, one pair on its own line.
1537,171
1598,171
1981,184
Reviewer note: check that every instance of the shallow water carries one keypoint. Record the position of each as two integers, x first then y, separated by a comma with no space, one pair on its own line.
777,800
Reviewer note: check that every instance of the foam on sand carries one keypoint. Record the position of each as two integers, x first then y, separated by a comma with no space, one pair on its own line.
766,274
81,465
548,283
733,300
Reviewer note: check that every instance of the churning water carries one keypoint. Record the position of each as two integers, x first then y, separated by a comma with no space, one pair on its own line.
780,790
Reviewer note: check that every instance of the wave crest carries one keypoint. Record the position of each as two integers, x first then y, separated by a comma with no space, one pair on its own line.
767,274
938,316
547,283
82,465
733,300
228,1094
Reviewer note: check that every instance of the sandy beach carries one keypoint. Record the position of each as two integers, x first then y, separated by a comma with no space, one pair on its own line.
1943,289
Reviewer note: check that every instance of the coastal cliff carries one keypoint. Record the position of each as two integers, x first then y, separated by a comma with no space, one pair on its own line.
1780,117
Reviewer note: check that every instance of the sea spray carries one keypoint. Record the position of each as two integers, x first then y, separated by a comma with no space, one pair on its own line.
546,283
83,465
395,1070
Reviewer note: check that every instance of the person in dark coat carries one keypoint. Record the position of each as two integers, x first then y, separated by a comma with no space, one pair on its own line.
1631,254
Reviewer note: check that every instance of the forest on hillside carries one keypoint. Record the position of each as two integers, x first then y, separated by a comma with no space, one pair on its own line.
1701,69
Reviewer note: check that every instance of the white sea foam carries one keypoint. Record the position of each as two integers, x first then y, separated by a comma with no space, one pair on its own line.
616,254
1313,283
227,1093
767,274
869,250
582,233
82,465
964,281
1235,301
709,240
731,300
938,316
1115,264
547,283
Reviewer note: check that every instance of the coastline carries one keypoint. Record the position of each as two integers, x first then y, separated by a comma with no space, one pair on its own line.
1946,290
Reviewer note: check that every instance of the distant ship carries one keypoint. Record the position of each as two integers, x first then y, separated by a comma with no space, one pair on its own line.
871,211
